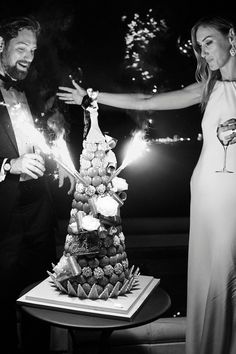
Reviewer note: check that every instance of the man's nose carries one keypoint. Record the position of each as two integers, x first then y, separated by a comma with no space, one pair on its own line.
29,57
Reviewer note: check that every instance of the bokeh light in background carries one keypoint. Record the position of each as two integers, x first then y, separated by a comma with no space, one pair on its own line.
139,39
185,46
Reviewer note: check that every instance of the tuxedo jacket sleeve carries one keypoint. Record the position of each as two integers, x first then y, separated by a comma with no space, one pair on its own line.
8,149
9,186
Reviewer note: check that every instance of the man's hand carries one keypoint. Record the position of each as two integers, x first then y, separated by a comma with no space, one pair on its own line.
64,174
226,131
30,164
72,96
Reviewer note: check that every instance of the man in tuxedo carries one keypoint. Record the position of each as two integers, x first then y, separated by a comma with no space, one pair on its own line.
27,220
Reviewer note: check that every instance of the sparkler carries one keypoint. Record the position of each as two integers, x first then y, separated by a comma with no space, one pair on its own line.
61,156
74,173
136,147
59,151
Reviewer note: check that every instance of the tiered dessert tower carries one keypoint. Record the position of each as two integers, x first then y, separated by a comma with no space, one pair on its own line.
94,263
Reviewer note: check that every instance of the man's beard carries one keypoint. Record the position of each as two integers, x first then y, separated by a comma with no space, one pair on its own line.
15,73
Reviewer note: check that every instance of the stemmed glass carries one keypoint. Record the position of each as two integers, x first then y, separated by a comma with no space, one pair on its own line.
225,135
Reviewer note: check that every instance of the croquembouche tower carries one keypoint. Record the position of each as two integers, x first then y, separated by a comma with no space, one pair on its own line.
94,263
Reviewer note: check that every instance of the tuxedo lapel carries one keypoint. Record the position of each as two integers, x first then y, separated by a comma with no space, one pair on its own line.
5,121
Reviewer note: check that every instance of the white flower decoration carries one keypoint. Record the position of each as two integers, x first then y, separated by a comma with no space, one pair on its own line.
90,223
107,206
119,184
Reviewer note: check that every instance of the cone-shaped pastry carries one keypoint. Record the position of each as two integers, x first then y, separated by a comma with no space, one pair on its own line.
94,252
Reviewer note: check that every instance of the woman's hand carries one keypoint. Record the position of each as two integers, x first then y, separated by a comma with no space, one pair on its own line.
227,131
72,96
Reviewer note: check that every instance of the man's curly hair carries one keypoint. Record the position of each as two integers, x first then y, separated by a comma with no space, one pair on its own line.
10,27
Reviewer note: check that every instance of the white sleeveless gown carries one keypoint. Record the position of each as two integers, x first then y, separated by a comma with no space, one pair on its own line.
211,304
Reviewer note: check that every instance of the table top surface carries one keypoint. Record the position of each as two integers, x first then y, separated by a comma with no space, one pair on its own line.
153,307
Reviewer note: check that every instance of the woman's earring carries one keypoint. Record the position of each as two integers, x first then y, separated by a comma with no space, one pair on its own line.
232,51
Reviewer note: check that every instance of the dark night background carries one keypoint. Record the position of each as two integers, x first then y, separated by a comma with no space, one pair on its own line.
90,35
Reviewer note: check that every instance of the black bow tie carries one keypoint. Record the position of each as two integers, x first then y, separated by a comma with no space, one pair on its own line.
9,82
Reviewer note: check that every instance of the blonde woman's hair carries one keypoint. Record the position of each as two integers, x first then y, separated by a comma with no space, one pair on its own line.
203,72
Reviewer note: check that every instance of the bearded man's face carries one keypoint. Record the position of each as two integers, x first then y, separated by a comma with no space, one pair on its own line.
18,54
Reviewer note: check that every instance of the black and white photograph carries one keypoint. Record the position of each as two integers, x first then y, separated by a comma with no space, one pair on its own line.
117,177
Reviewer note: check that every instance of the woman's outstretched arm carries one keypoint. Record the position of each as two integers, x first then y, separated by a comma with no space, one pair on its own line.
188,96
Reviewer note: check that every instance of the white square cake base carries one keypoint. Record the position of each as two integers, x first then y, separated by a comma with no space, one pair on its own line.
46,295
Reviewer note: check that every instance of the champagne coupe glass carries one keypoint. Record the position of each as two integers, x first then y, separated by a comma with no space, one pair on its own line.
225,139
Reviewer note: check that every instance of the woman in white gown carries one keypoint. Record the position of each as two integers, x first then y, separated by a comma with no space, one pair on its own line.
211,302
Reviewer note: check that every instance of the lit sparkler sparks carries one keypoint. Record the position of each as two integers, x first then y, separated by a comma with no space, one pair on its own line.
136,148
59,151
61,156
